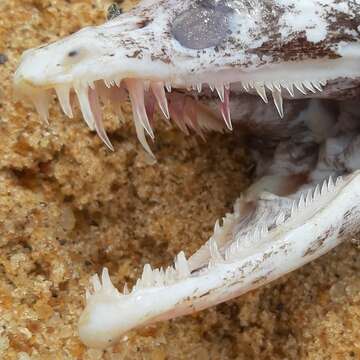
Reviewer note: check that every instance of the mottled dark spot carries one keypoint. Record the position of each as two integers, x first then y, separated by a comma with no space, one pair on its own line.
141,24
203,25
206,294
319,242
137,54
113,11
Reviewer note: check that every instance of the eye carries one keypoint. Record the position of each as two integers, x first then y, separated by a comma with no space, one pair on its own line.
72,53
203,25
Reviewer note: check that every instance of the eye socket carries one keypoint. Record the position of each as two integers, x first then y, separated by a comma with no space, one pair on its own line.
202,26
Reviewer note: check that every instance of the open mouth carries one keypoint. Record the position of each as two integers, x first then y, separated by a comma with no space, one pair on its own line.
268,234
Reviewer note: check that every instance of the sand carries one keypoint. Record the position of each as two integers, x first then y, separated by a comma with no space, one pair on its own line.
68,207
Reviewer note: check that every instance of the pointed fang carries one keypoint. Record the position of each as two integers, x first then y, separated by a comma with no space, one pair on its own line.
260,88
41,101
63,94
278,100
98,121
225,110
159,93
136,92
221,92
140,132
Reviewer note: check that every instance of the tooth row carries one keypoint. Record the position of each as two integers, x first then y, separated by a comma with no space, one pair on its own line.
261,233
314,194
149,278
140,91
160,277
248,241
276,88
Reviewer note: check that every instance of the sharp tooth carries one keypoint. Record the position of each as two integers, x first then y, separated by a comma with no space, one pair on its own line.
90,108
277,86
199,87
220,90
309,197
159,93
212,87
309,86
294,208
278,100
182,266
41,101
300,87
217,226
316,192
147,278
214,251
136,92
260,89
63,94
150,103
170,275
280,219
126,289
323,82
324,188
264,231
246,87
95,281
140,132
339,181
225,109
82,93
168,87
270,86
290,89
301,204
256,235
317,86
95,112
106,281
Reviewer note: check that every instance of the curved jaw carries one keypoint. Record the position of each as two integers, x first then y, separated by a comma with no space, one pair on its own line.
302,230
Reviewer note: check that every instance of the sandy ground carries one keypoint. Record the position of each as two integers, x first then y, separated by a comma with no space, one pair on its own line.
68,207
